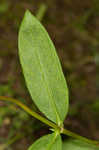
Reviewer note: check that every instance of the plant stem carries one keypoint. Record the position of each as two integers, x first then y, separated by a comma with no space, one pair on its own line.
74,135
13,140
49,123
29,111
41,12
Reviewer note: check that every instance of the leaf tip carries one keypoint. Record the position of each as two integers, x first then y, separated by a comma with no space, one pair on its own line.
27,12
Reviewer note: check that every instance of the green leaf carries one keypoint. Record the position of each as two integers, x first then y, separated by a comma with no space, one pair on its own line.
42,69
48,142
78,145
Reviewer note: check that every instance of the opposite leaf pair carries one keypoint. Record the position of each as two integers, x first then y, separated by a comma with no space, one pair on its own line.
43,75
44,78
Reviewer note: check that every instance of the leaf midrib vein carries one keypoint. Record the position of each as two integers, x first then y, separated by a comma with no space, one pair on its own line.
47,87
52,142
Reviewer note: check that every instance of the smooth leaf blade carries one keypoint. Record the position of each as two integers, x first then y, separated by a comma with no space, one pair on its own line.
78,145
42,69
48,142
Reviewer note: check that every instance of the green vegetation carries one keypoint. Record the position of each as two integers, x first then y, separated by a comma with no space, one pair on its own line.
47,86
74,31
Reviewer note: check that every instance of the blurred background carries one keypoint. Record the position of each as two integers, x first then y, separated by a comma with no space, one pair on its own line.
74,28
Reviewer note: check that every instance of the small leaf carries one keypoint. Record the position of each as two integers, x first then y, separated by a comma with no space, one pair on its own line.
42,69
78,145
48,142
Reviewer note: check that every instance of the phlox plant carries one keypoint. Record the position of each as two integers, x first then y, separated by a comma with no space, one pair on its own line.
47,87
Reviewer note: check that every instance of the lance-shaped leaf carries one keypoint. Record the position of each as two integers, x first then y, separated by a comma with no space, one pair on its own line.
78,145
42,69
48,142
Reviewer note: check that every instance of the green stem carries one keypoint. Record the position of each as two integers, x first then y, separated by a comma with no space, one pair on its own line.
29,111
41,12
49,123
74,135
13,140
